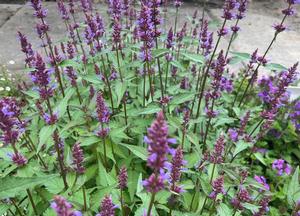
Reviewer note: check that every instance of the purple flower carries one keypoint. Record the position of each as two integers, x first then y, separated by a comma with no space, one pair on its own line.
281,166
102,110
233,135
70,50
155,16
116,34
242,9
295,115
107,207
78,158
146,32
38,10
177,3
18,159
10,125
63,208
26,48
241,197
63,10
175,169
115,9
223,31
170,39
216,156
59,146
262,180
279,27
243,123
158,143
72,75
185,84
228,9
217,187
154,183
102,132
264,206
122,178
86,5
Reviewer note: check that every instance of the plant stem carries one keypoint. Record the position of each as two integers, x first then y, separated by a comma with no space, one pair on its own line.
84,199
166,79
119,66
176,18
206,74
231,39
122,203
194,195
260,63
32,202
108,84
151,204
17,207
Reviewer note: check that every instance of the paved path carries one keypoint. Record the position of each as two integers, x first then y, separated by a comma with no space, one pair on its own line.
256,30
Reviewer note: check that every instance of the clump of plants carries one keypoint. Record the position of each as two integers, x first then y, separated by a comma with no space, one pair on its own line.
135,117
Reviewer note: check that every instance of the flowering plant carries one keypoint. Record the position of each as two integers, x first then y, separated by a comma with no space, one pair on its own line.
145,119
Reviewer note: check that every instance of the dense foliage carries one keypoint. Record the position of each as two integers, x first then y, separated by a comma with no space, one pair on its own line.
136,117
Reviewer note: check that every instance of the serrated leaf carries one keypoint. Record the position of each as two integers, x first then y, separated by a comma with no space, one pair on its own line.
55,185
241,146
251,207
182,98
224,210
159,52
45,135
62,107
10,186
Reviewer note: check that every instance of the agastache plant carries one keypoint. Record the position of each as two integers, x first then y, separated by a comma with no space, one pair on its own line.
94,129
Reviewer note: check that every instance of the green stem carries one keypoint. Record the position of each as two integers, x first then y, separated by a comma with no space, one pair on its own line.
151,204
84,199
32,202
17,207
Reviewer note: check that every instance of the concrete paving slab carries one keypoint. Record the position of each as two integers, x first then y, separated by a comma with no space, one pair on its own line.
7,11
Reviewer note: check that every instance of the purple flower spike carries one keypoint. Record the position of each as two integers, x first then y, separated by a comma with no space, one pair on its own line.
63,208
218,187
102,110
281,166
170,39
19,159
63,10
264,206
158,143
154,183
122,178
295,116
175,169
107,207
228,9
38,10
78,158
177,3
262,180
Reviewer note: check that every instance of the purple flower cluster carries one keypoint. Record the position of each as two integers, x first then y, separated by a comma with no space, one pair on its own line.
59,145
281,166
103,115
229,9
217,187
78,158
175,169
295,115
26,48
40,12
41,76
155,16
170,39
94,31
158,143
158,148
263,206
72,75
107,207
122,178
236,134
63,208
146,32
63,10
242,196
205,39
217,156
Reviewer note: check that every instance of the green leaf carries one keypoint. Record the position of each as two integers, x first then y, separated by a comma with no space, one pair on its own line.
120,90
62,107
241,146
275,67
178,65
260,157
182,98
293,187
69,62
45,134
11,186
87,141
138,151
149,110
224,210
223,120
55,185
157,53
251,207
194,57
